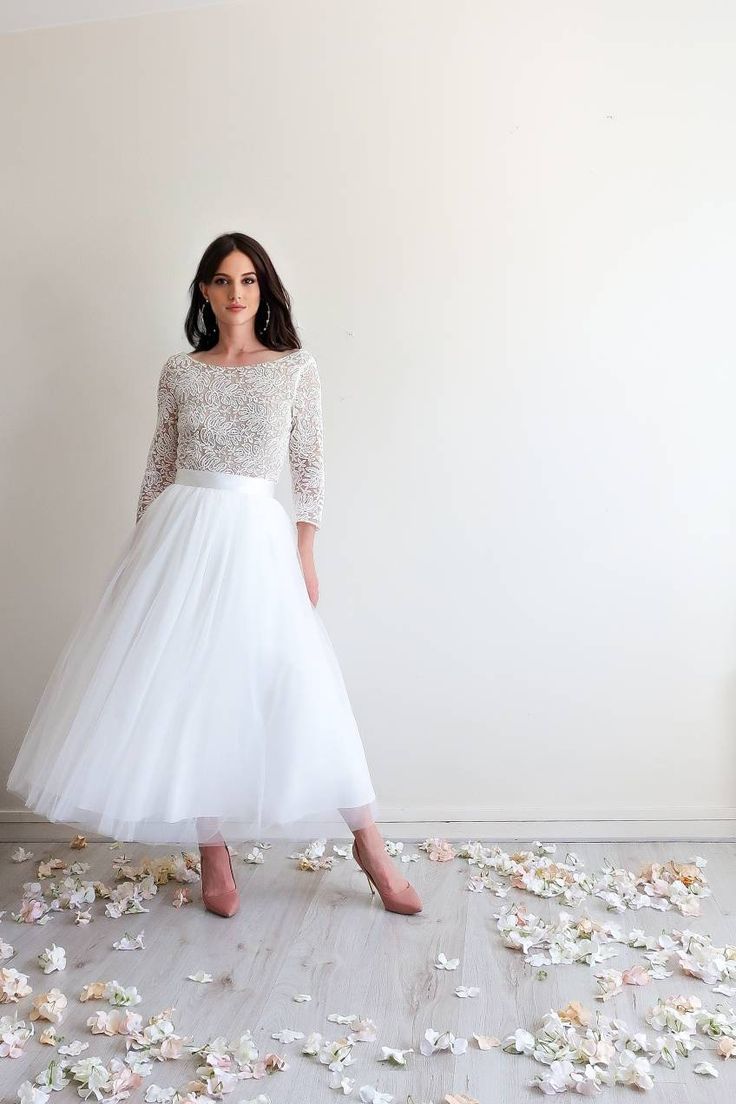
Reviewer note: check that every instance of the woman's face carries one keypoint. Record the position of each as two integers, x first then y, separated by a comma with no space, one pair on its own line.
235,284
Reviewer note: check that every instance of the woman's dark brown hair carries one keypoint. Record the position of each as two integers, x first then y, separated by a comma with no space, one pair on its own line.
201,325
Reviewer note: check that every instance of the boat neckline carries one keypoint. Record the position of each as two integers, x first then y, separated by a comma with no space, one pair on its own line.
233,367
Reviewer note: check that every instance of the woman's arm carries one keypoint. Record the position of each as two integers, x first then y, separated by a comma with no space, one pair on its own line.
306,457
161,462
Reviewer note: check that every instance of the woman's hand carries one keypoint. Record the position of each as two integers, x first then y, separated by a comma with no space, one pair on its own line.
310,578
305,546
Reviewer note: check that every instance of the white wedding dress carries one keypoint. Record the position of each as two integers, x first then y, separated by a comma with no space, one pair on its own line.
199,694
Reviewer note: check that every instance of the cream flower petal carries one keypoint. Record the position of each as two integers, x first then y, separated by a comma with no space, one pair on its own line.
369,1095
444,963
129,943
486,1042
286,1035
396,1056
52,958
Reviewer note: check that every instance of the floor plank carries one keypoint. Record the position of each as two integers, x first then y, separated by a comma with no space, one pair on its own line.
323,933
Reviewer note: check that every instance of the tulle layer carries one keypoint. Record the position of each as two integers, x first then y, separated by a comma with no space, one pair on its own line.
199,692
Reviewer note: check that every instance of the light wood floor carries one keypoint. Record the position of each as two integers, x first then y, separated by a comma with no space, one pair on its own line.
322,933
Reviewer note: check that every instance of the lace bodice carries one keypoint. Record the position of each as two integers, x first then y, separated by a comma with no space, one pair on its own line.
244,420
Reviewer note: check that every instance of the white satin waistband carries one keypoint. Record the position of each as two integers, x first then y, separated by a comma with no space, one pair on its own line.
226,481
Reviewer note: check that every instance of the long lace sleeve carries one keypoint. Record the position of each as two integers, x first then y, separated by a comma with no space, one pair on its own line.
306,458
161,461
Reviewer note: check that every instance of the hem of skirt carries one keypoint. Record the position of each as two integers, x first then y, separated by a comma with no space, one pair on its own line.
183,830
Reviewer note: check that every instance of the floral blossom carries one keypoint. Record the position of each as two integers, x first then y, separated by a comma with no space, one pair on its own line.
13,985
438,850
49,1006
445,1040
52,958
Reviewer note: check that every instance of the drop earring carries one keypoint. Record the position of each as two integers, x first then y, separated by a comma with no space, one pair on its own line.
203,322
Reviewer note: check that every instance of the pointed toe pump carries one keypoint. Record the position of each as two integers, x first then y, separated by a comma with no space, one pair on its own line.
217,895
406,901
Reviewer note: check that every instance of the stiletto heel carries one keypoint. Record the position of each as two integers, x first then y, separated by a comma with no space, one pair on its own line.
405,901
223,902
371,884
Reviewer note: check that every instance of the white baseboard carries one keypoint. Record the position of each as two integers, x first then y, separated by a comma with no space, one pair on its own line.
453,822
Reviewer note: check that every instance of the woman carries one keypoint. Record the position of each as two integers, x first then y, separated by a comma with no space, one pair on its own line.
199,693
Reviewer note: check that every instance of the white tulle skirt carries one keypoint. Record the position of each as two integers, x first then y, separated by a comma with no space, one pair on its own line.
199,694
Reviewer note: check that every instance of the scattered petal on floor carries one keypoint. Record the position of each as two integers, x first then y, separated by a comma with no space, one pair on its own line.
74,1048
486,1042
287,1036
129,943
200,976
388,1054
29,1094
444,963
52,958
339,1018
521,1042
438,850
13,985
49,1006
119,996
344,1084
369,1095
444,1040
575,1013
14,1037
20,855
636,975
181,897
610,982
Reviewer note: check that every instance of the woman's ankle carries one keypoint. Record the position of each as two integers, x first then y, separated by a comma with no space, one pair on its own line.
369,836
216,841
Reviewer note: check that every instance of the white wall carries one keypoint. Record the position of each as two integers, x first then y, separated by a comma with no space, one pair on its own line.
508,232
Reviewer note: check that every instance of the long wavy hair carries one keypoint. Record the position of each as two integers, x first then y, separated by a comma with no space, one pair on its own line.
201,328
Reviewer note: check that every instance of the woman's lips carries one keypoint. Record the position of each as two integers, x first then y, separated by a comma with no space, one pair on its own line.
236,308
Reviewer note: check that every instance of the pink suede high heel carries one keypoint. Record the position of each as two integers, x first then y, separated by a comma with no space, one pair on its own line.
406,901
219,897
